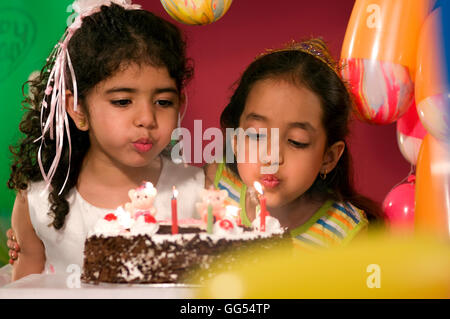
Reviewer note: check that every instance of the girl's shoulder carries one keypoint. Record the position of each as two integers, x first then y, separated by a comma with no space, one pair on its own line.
37,194
36,187
334,224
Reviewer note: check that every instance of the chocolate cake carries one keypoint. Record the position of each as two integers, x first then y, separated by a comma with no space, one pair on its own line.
163,257
130,246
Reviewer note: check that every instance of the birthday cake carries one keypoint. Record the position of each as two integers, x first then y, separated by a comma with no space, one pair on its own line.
130,246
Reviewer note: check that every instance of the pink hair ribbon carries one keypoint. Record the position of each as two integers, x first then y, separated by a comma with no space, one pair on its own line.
57,123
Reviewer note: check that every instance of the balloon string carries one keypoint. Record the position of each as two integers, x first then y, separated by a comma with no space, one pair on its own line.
412,170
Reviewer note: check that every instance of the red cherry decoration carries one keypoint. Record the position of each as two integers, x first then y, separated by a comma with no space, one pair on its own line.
226,224
149,219
110,217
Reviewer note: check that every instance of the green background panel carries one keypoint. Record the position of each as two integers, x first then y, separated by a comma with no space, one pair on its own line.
29,29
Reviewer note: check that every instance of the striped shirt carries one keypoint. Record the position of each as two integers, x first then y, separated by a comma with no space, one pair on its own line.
227,180
335,223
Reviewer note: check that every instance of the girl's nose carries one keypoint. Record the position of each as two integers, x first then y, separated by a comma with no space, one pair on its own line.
272,153
275,158
146,116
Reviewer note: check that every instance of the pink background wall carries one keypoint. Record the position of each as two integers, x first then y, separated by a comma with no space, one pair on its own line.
223,49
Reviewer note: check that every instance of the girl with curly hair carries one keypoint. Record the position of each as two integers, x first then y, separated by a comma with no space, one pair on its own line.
98,122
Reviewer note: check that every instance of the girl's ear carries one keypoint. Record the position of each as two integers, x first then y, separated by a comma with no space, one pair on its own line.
78,116
332,156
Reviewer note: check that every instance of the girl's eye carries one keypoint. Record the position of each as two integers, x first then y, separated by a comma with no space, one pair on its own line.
121,103
298,144
164,103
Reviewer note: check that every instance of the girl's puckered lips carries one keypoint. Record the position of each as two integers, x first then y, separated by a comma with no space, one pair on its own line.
143,145
270,181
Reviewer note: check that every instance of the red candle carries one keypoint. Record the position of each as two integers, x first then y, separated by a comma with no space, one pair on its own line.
262,204
262,216
174,212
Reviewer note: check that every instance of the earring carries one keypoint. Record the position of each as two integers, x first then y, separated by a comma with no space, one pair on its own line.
323,175
82,123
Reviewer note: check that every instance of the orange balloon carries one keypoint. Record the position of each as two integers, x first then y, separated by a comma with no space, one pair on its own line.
432,213
386,30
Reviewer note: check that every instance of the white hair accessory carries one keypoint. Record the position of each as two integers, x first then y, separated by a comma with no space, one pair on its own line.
85,6
57,123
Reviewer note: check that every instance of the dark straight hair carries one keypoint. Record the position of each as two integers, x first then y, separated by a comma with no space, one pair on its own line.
304,69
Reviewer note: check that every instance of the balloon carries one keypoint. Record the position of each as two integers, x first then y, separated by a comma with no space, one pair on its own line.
379,267
432,212
433,73
410,133
379,56
398,207
196,12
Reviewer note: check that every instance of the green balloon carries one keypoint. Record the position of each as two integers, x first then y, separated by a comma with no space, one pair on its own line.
29,30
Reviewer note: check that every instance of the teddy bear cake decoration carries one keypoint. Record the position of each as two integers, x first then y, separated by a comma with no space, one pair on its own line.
135,217
220,218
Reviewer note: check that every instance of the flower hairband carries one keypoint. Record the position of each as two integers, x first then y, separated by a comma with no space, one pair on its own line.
57,124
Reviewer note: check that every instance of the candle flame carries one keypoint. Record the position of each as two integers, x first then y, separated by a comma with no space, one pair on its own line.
258,187
175,192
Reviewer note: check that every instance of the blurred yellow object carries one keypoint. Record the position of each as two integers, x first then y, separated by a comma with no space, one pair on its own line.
378,267
196,12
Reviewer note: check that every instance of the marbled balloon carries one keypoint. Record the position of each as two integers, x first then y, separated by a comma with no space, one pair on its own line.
434,113
196,12
383,90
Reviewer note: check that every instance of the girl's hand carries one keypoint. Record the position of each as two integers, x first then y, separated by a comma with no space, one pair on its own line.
12,245
32,251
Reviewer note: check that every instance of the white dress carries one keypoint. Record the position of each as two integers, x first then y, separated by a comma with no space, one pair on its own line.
64,248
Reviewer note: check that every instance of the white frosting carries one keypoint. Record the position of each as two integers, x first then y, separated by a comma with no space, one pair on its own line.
140,227
127,227
122,225
272,225
124,218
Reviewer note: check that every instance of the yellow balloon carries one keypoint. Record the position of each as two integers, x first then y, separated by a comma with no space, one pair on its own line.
379,267
196,12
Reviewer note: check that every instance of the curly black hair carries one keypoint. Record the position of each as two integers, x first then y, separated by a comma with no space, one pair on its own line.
106,41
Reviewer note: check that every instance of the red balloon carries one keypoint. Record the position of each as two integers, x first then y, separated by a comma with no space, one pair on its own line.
410,125
399,206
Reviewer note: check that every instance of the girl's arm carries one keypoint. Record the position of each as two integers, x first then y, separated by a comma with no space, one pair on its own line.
31,259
